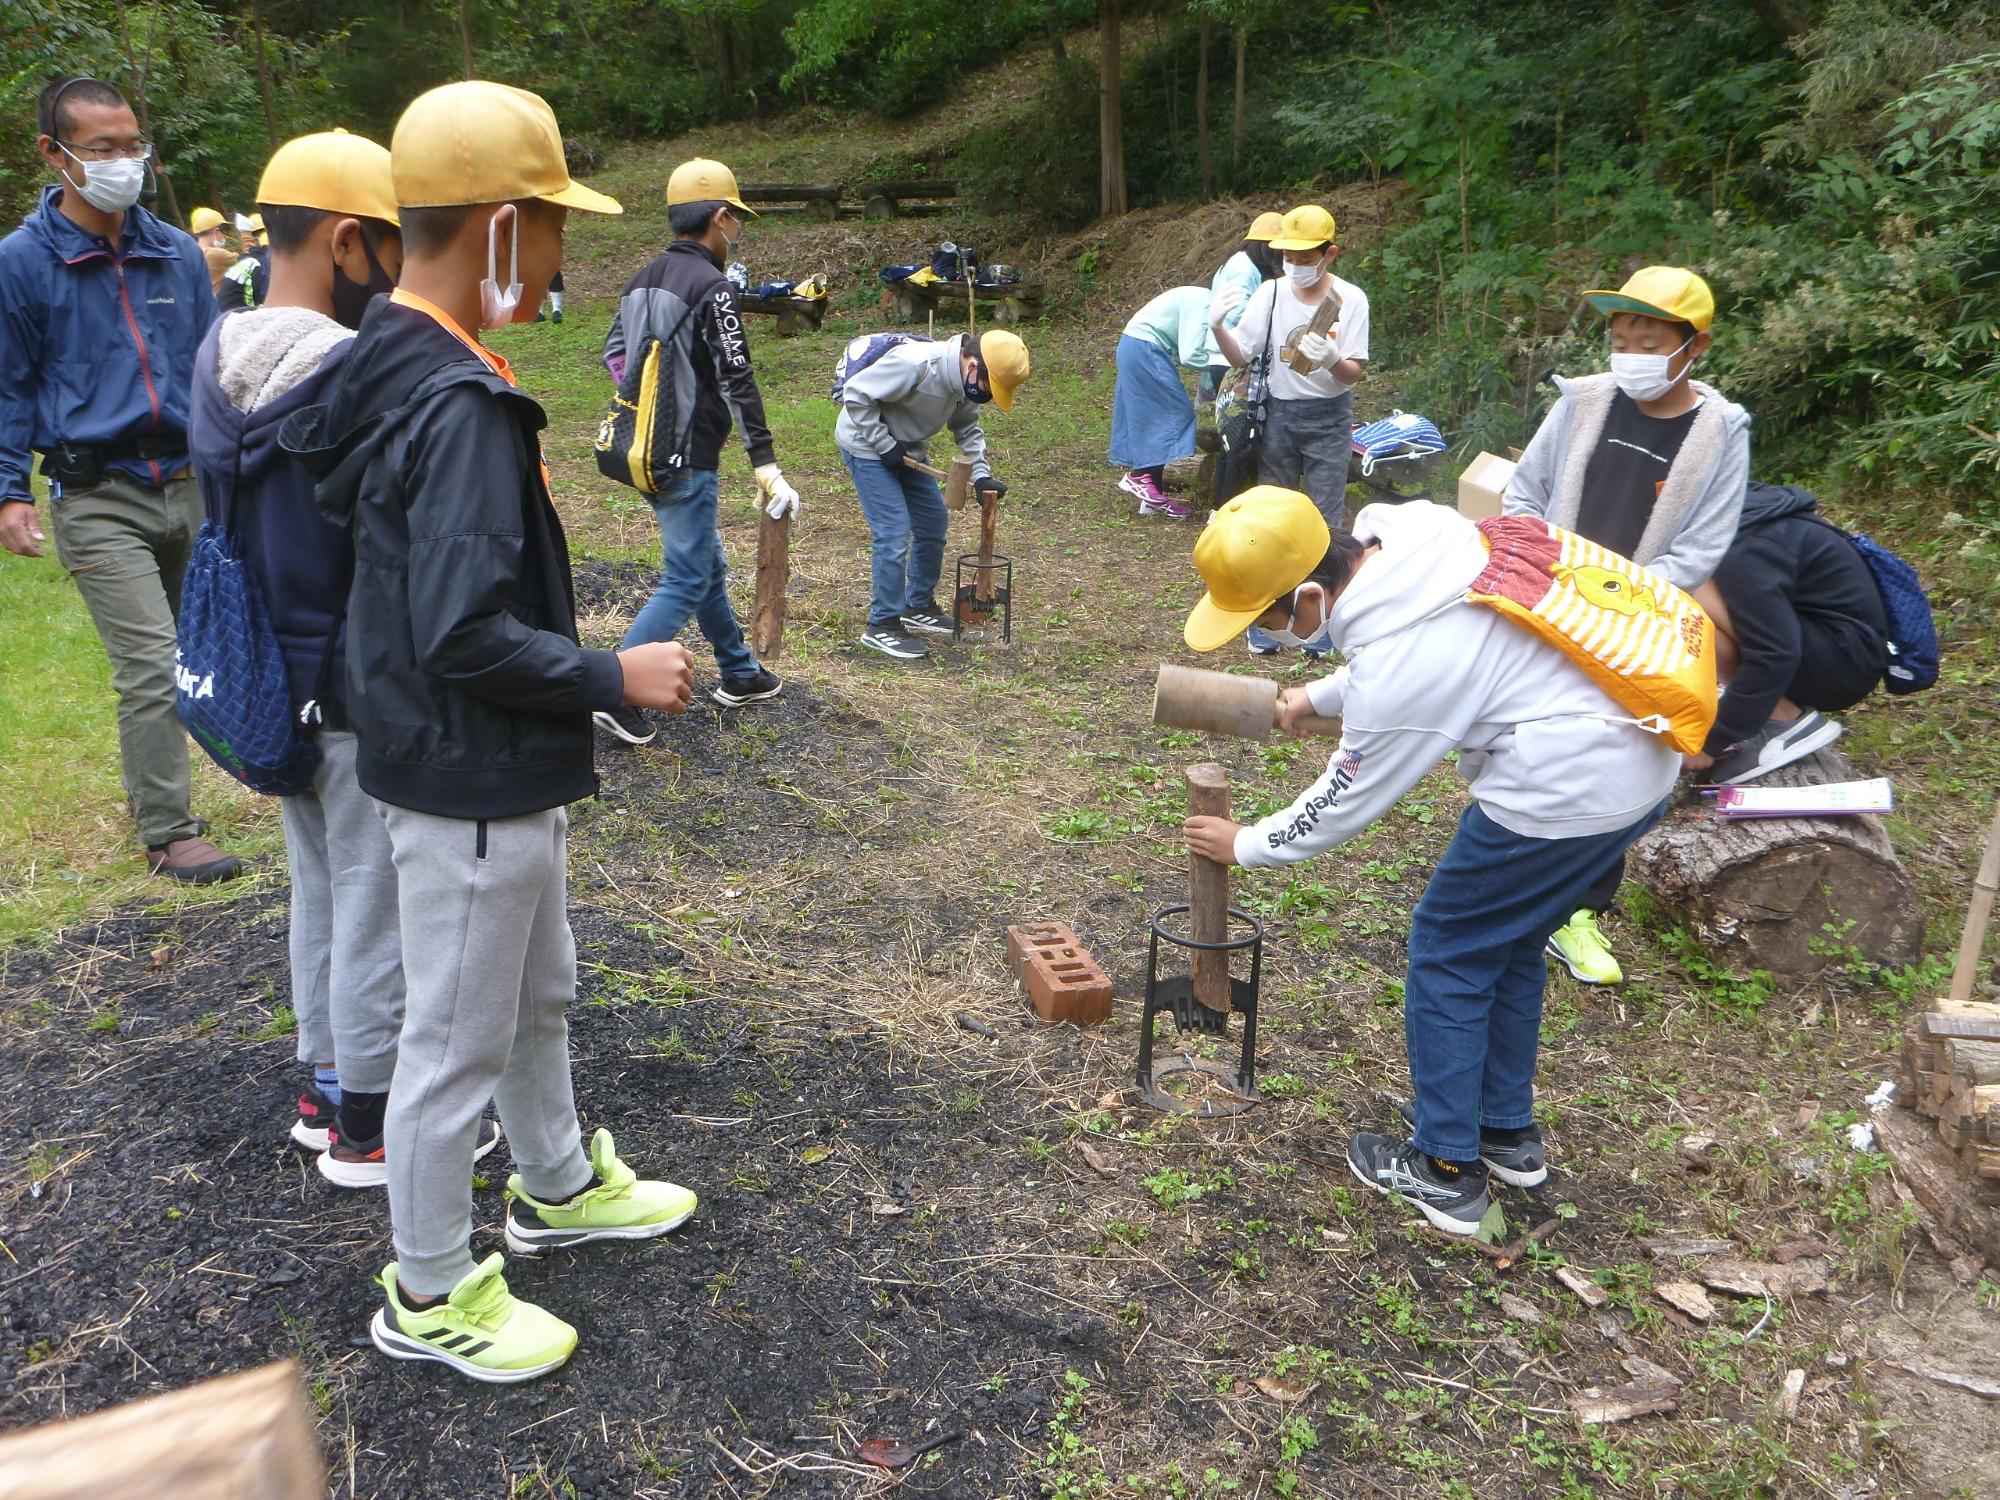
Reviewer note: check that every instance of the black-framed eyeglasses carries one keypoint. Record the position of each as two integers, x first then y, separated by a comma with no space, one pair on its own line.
142,151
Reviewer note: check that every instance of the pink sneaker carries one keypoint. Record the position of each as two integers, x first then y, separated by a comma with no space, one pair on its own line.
1140,488
1164,505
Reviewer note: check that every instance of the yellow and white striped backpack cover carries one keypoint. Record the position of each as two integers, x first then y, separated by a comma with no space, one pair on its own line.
1641,639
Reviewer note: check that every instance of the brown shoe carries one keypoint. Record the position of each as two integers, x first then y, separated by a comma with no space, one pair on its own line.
193,860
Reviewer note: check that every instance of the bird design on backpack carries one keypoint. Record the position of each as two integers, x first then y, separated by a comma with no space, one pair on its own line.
1610,590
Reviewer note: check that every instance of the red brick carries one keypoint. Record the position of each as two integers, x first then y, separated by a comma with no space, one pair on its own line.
1063,981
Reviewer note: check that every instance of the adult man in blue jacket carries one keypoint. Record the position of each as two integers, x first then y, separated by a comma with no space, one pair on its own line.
101,309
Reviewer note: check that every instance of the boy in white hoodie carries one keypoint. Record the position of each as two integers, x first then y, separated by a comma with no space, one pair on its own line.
1562,782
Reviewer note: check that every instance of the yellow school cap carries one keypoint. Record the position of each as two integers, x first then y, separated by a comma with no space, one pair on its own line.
332,171
1671,293
1306,227
1006,361
480,142
1266,226
1255,550
702,180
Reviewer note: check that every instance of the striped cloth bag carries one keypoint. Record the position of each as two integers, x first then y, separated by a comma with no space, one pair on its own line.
1641,639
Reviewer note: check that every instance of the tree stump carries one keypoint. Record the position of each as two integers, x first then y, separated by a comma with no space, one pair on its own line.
1761,892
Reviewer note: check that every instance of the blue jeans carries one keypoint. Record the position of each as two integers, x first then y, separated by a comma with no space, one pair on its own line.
906,516
694,577
1472,1001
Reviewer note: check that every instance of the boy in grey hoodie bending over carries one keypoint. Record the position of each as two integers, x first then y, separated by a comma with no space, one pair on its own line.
896,393
1648,463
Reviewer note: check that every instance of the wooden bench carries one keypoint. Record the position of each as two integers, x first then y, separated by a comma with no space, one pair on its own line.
794,314
821,200
884,200
1012,302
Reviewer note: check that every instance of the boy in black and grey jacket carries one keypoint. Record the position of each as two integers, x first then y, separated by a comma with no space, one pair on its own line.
471,698
683,302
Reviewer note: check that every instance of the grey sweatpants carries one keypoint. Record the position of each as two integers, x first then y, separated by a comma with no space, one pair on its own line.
489,966
1306,446
347,947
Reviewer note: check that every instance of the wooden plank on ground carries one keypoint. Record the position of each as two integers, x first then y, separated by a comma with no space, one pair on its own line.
240,1437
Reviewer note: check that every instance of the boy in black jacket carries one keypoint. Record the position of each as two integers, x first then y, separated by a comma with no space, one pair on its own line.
330,207
1800,630
472,699
682,301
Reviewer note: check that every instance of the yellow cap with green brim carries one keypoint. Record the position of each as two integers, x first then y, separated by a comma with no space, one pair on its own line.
1672,294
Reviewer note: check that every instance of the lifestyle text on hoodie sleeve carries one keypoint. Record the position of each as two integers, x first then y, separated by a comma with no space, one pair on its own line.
466,545
1711,521
1367,775
1532,487
729,349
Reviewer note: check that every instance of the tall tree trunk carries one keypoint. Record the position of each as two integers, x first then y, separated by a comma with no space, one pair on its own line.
140,68
1056,48
465,34
1236,128
264,74
725,56
1201,116
1110,117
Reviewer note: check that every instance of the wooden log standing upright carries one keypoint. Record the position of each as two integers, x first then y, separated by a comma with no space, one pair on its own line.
774,574
1208,888
240,1437
1951,1077
1760,891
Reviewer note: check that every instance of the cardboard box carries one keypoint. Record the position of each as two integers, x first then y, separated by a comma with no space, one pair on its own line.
1481,486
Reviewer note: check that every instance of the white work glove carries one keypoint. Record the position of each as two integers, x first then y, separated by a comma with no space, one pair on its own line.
1317,348
1223,304
779,498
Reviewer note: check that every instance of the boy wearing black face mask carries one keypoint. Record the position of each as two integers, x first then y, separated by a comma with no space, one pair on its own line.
330,209
1648,463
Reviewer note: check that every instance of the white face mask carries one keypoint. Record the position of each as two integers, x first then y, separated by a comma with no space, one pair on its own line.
1321,639
1644,377
496,307
109,186
1304,276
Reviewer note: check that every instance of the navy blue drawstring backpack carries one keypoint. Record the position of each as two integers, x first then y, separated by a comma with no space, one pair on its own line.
230,686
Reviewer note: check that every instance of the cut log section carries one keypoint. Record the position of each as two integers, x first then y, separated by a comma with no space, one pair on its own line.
1208,889
240,1437
1761,892
774,573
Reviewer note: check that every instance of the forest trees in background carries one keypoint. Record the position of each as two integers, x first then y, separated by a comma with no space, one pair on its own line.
1829,164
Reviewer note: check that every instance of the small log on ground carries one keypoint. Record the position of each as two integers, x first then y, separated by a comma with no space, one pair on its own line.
1761,891
241,1437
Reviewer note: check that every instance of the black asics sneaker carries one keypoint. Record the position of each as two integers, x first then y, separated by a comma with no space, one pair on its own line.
1454,1203
1520,1163
734,692
626,723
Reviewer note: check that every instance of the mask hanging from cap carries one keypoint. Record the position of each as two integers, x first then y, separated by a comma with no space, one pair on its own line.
108,186
1646,377
351,297
496,307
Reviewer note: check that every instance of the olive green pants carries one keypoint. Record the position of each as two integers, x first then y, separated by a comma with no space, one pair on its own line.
127,545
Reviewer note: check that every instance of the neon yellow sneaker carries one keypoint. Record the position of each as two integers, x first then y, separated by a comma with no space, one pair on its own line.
481,1330
618,1205
1581,947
